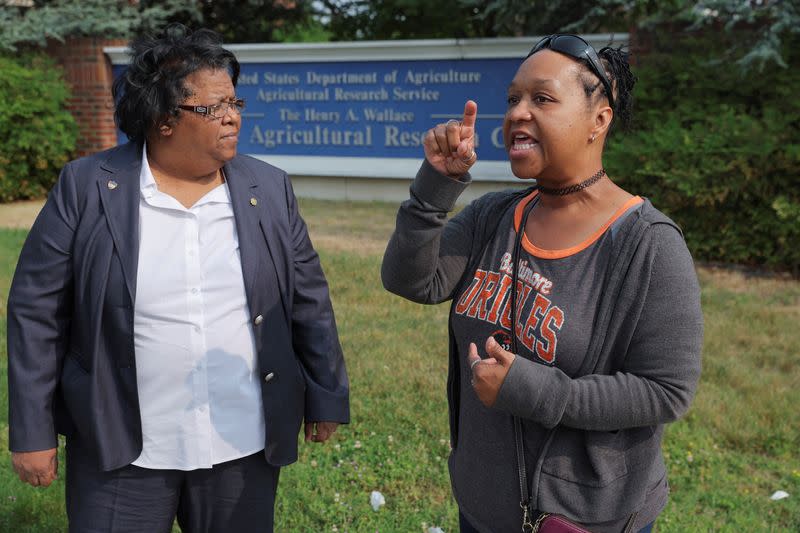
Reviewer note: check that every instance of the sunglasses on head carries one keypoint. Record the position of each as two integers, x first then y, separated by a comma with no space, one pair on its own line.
576,47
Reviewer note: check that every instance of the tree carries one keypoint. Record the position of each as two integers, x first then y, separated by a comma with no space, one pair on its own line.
252,21
760,25
763,25
540,17
59,19
395,19
236,20
403,19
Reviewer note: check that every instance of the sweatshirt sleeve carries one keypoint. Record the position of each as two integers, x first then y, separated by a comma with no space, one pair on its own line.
660,372
427,254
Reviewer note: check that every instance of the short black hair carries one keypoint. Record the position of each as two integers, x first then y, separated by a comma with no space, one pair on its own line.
148,92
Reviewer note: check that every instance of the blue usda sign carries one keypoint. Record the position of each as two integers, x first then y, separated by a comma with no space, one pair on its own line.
370,109
362,109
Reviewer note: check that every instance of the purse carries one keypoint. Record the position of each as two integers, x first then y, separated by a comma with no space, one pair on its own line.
553,523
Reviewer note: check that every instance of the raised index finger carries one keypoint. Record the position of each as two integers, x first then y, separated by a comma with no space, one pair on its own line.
470,114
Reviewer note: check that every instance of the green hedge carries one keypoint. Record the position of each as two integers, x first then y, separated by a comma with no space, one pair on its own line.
718,149
37,134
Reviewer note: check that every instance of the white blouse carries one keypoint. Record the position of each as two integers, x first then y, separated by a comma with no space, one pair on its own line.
196,366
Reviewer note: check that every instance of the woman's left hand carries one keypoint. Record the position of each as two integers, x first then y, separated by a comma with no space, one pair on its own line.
488,374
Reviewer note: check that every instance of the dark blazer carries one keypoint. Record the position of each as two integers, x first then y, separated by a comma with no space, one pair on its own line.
71,360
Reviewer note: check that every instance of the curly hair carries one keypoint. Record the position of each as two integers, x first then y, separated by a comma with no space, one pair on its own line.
618,69
148,92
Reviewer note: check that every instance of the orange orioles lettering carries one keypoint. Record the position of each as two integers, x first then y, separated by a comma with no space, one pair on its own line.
488,298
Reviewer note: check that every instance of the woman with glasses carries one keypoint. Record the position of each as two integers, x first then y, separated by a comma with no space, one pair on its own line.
575,326
169,314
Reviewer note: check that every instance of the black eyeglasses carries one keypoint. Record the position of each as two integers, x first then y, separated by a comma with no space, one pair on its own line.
578,48
217,110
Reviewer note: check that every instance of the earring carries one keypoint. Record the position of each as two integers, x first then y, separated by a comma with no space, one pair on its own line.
591,140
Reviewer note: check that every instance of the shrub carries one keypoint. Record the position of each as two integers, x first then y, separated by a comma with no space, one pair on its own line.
718,150
37,134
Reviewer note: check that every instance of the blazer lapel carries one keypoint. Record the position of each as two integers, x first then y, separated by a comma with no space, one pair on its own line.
246,209
119,193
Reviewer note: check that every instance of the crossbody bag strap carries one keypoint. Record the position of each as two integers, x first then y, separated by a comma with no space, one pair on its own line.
525,499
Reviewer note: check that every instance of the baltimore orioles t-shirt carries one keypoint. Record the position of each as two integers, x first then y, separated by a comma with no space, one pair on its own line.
558,293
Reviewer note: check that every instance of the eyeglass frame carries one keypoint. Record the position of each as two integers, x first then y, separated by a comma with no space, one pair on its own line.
209,110
588,54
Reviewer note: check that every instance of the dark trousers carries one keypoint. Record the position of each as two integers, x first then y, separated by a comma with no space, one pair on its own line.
235,496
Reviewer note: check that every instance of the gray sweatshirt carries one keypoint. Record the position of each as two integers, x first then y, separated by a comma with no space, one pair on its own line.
593,423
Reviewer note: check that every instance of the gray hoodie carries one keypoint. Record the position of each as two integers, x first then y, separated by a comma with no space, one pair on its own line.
600,427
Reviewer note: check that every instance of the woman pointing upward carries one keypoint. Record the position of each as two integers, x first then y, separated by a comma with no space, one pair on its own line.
575,326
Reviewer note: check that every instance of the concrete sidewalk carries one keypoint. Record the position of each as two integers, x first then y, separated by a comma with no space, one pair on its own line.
19,214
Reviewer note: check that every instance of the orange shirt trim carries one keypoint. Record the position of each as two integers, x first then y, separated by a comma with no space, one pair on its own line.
566,252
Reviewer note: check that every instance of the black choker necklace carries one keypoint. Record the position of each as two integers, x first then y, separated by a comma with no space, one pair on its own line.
563,191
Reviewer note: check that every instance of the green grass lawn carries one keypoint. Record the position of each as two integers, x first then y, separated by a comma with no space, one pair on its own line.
739,443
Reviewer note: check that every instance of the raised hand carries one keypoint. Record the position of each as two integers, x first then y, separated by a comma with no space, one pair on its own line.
450,147
36,468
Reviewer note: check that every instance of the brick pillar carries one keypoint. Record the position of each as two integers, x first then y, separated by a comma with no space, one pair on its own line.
87,72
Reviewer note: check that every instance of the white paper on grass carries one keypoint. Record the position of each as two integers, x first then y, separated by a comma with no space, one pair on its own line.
376,500
435,530
779,495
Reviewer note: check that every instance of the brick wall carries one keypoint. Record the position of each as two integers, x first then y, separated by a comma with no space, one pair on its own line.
87,71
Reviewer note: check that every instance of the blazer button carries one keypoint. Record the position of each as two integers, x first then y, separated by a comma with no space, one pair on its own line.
269,377
258,320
